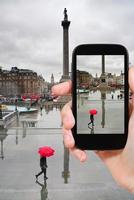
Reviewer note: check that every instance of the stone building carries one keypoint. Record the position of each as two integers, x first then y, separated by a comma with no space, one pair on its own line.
111,80
115,80
20,82
83,79
120,80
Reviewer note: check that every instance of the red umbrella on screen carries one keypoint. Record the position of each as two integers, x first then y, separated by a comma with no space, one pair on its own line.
92,112
46,151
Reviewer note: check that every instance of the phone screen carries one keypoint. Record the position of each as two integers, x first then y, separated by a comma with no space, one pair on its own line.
100,94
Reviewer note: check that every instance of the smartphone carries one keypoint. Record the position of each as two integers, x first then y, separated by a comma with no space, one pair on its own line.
100,96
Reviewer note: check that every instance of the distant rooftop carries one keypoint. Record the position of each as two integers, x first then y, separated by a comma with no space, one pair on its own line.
16,69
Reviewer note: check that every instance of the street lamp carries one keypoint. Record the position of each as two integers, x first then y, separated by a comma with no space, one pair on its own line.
3,135
16,103
0,110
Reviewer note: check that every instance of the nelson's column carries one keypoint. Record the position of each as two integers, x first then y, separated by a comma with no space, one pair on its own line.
65,23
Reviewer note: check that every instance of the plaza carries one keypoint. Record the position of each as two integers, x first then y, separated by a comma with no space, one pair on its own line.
67,178
110,113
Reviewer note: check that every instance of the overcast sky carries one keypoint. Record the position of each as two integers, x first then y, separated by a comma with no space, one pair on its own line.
93,64
31,32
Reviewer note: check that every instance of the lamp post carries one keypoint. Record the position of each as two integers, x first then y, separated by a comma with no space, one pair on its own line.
3,135
16,104
0,110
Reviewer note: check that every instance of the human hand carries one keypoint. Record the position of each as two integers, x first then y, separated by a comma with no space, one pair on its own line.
68,120
119,162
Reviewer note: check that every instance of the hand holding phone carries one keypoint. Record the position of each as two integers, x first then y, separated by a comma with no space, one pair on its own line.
119,162
100,96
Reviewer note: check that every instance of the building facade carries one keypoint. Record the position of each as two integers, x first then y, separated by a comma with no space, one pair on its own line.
83,79
17,82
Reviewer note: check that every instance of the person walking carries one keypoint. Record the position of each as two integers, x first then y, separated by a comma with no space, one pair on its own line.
43,166
92,113
44,152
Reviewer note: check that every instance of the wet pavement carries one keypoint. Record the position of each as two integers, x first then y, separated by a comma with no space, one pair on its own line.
90,180
68,179
109,117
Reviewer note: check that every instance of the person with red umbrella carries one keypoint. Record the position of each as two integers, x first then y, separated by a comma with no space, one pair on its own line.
44,152
92,113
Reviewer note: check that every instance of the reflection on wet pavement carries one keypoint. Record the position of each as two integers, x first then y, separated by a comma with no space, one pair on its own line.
67,178
109,117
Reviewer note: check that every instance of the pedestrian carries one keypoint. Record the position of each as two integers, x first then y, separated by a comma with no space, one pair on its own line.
44,152
118,96
16,102
121,96
41,107
112,96
43,166
92,113
91,121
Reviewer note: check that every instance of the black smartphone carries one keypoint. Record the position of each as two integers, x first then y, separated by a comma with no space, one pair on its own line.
100,96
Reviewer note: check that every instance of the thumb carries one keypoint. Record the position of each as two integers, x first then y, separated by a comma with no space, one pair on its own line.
131,83
131,78
131,103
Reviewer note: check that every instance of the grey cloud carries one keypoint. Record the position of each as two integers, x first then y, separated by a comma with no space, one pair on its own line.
31,32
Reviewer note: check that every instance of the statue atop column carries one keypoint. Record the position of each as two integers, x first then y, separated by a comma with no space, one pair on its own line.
65,76
65,24
65,14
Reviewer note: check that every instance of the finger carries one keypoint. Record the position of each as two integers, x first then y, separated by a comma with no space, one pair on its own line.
130,108
68,138
131,79
67,116
70,143
79,154
62,88
131,125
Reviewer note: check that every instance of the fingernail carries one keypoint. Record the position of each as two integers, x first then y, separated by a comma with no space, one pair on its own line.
82,157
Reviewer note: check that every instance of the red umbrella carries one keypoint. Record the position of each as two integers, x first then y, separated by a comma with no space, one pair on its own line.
92,112
46,151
